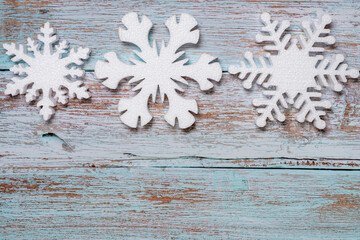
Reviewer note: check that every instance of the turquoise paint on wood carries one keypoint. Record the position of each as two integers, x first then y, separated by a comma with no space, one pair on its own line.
76,186
225,134
180,203
227,28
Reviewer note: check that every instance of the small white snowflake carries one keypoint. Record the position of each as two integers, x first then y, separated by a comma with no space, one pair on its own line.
158,71
46,71
294,75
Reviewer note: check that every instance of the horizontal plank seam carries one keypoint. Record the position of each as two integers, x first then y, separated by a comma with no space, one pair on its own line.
237,159
203,167
92,166
148,158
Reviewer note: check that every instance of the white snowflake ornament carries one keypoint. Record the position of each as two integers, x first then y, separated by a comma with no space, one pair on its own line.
158,70
293,74
47,71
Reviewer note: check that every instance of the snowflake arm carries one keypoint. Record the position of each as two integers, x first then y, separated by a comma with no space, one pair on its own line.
32,93
201,71
61,95
269,108
180,109
48,37
47,104
314,33
274,32
18,86
333,72
76,56
76,89
114,70
252,71
309,109
34,47
62,47
137,33
181,33
134,108
19,69
18,52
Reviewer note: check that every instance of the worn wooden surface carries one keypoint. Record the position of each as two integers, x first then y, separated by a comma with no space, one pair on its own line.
227,28
169,203
86,175
224,134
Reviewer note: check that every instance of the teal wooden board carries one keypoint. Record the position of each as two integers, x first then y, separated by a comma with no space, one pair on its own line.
225,133
180,203
227,28
84,175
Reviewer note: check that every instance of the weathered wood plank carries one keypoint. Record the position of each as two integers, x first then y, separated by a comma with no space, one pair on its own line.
91,132
145,203
228,28
68,184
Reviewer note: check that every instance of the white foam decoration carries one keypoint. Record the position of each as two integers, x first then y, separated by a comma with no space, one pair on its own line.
43,69
158,70
295,71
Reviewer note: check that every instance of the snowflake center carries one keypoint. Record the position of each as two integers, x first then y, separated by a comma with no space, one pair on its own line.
45,68
161,69
292,72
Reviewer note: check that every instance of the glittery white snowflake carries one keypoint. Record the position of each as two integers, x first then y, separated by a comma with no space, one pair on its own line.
293,74
158,71
43,69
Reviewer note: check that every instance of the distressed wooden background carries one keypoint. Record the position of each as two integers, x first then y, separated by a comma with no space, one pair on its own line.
85,175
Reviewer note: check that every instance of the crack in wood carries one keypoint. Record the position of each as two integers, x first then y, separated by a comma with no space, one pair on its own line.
52,138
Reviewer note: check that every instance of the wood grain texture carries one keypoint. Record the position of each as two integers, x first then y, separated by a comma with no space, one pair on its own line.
148,203
227,28
85,175
90,132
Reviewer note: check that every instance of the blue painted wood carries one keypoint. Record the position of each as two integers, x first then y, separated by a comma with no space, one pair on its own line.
227,28
92,177
225,133
148,203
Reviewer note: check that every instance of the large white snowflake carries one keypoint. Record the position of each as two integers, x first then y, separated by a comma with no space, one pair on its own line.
47,71
158,70
293,74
